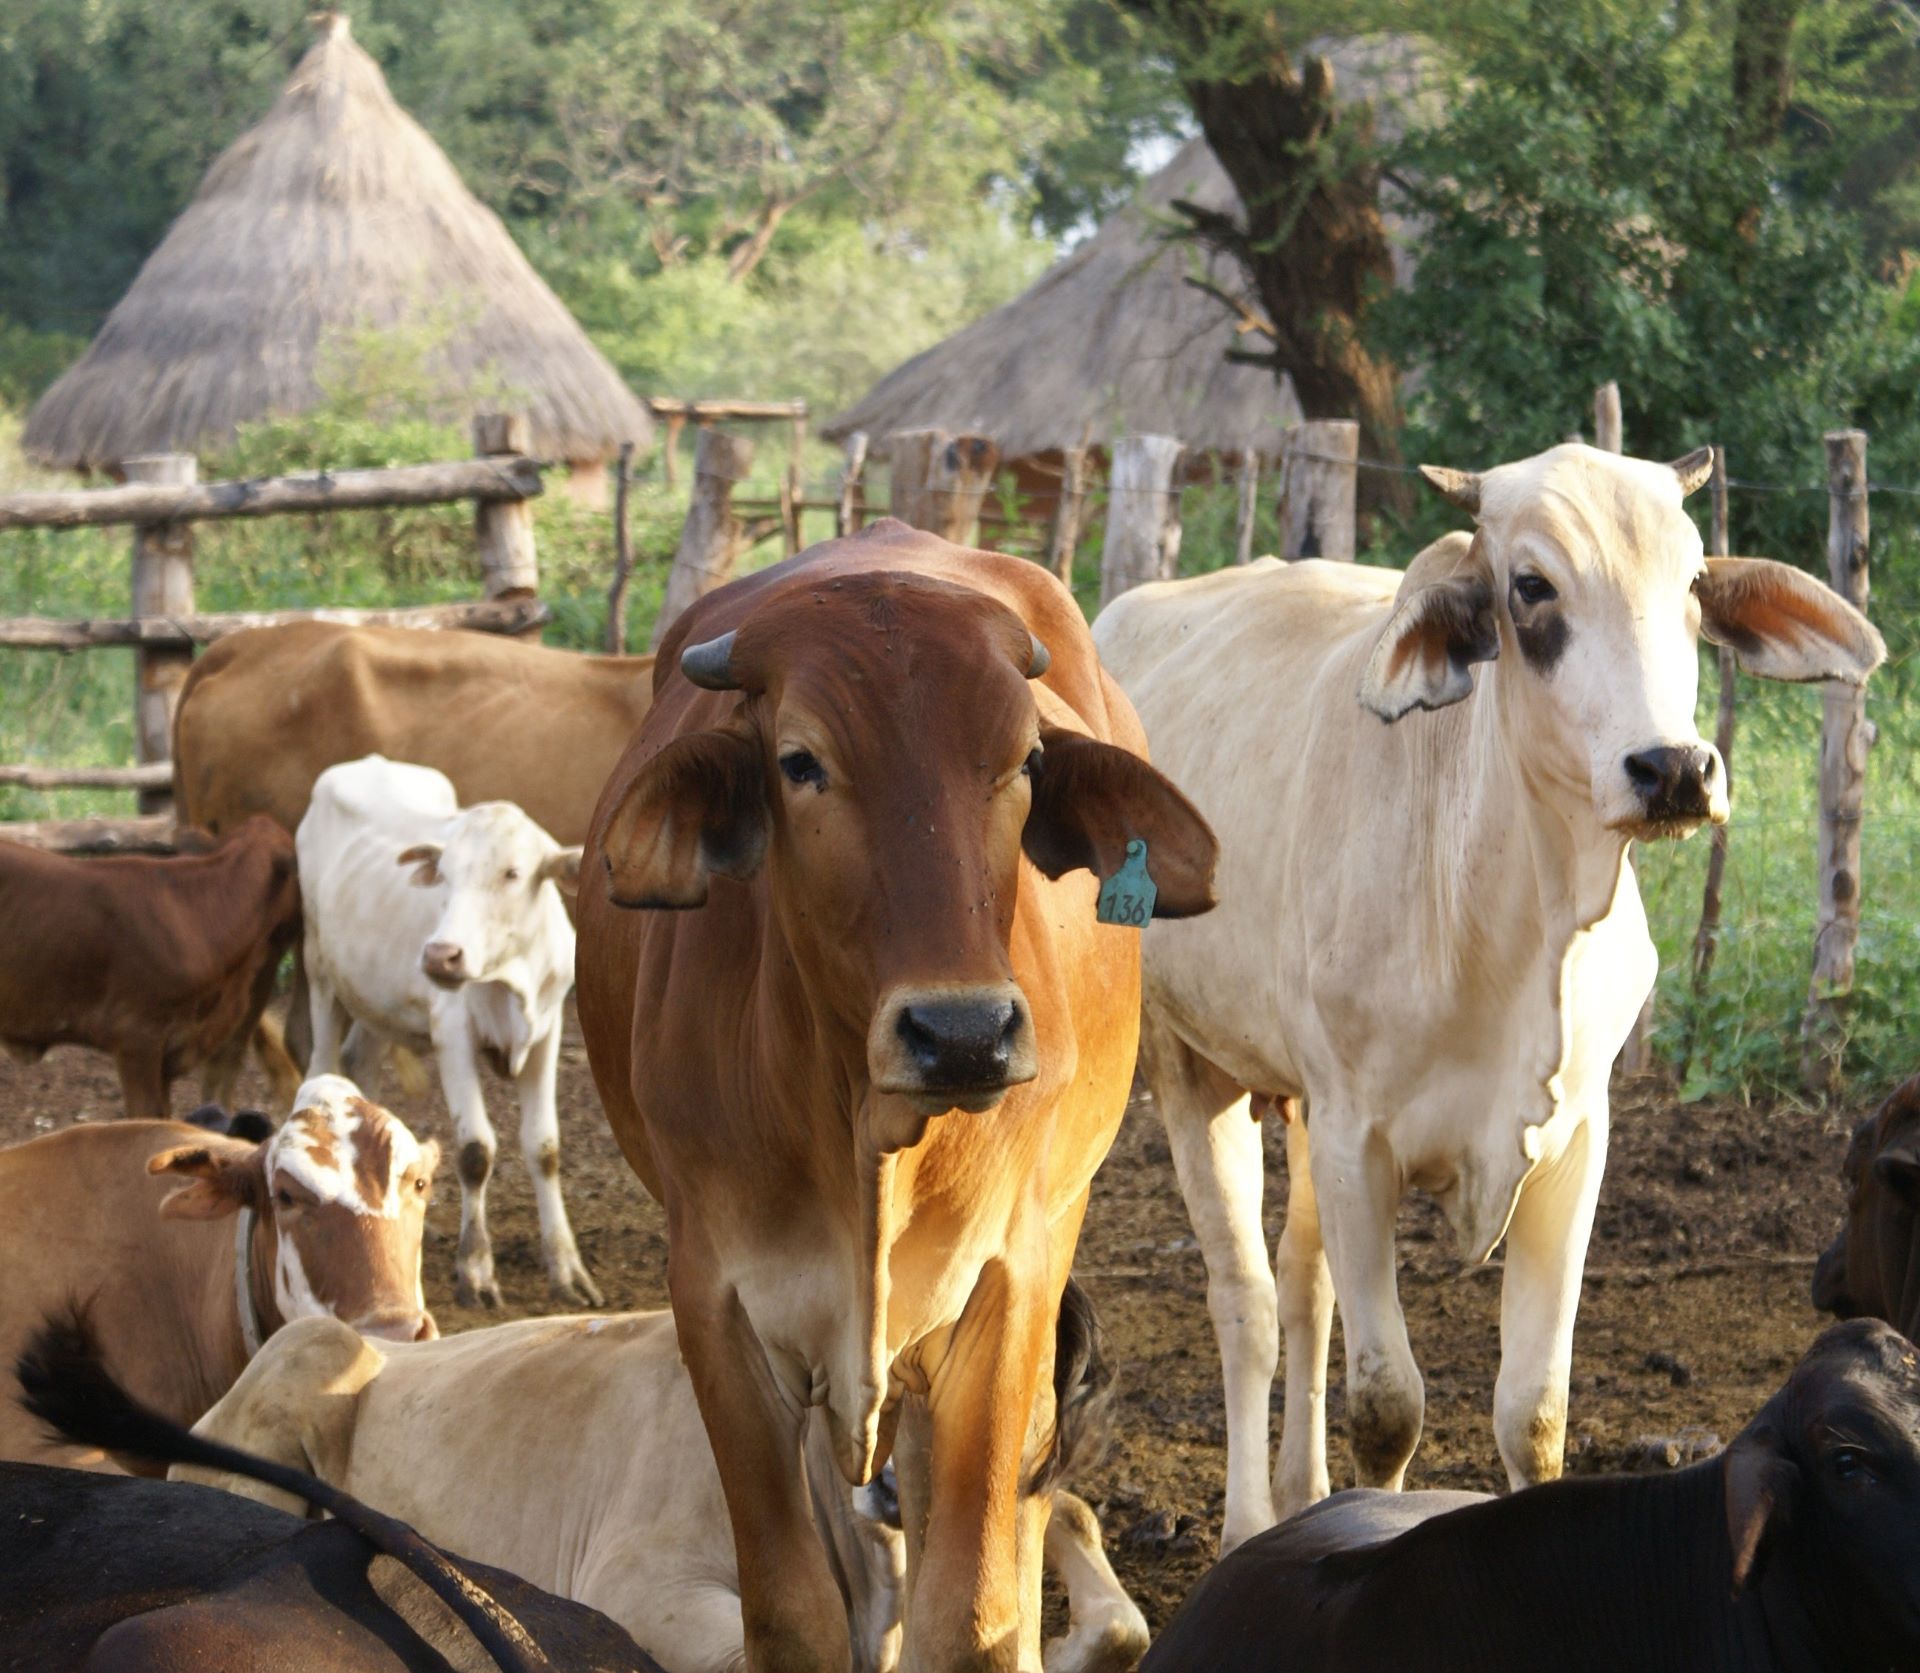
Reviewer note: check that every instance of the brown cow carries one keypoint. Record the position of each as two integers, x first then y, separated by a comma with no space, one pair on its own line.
1872,1268
136,1221
264,713
871,1078
155,961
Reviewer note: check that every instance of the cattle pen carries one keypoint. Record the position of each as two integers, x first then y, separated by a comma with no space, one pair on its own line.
161,500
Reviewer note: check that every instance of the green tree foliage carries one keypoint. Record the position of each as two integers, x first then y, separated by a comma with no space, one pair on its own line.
1594,203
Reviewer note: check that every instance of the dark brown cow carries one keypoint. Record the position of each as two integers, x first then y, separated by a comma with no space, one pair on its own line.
870,1078
1797,1550
155,961
106,1576
190,1249
1872,1268
264,713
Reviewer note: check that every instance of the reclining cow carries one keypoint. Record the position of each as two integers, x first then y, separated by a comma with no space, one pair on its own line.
1437,940
443,927
104,1573
1872,1268
263,713
189,1250
154,961
587,1426
868,1053
1797,1550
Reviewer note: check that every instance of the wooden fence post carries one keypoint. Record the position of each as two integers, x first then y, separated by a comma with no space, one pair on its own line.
793,491
503,529
1143,514
710,537
849,510
1706,939
1069,510
939,481
1249,505
1318,474
622,555
670,447
162,586
1606,418
1844,739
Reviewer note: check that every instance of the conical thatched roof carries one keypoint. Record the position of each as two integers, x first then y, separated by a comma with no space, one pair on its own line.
335,214
1110,340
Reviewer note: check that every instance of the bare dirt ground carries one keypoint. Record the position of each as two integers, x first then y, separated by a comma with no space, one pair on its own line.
1695,1302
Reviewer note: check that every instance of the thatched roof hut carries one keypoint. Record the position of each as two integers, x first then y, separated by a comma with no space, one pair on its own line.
336,214
1111,340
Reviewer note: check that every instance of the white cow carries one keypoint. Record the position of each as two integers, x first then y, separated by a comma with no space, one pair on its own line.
436,926
1430,931
570,1451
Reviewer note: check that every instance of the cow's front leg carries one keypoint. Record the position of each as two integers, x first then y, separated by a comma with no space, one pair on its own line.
143,1082
974,1535
327,1027
1546,1253
1306,1314
1358,1189
792,1614
1106,1633
473,1281
536,1086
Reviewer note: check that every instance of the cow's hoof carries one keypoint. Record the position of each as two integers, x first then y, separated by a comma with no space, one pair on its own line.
483,1294
1115,1648
577,1288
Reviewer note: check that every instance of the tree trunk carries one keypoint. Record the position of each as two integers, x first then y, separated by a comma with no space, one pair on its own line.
1143,515
1310,238
939,481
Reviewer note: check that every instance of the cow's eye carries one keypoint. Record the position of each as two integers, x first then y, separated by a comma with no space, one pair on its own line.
1850,1463
512,874
420,1185
802,767
283,1198
1530,588
1031,765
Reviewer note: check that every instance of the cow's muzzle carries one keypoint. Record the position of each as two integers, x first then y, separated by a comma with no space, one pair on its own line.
399,1324
952,1047
1678,786
445,963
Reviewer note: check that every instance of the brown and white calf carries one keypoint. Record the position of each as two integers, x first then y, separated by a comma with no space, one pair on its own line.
187,1250
153,960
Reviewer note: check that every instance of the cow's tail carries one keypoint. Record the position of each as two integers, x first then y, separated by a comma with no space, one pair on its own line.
1082,1393
66,1386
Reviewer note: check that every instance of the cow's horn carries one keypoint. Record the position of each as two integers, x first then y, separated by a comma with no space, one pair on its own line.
1039,658
710,663
1461,488
1694,470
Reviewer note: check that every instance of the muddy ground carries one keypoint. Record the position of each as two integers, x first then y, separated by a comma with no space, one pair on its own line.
1695,1301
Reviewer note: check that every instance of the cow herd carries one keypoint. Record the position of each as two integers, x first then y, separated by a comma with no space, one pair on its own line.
873,907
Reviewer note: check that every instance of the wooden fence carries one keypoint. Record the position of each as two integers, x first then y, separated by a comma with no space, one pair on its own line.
162,500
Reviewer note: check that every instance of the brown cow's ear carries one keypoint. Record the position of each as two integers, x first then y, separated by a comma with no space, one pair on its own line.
1760,1483
1442,623
1784,625
426,857
697,807
222,1180
1090,799
1898,1168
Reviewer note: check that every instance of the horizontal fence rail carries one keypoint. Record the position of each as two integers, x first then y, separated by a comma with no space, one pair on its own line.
488,480
45,633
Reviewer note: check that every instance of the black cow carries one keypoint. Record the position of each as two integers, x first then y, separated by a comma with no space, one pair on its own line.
1872,1269
1798,1548
117,1573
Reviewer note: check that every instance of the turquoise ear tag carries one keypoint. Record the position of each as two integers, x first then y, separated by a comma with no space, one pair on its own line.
1127,896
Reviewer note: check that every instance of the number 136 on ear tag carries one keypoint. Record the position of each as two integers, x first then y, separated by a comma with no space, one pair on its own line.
1127,896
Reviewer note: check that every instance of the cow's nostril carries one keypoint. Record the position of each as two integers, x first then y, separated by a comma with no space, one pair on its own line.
1645,774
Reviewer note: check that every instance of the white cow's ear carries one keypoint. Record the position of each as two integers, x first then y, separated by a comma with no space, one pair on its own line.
1425,655
563,868
1782,624
425,856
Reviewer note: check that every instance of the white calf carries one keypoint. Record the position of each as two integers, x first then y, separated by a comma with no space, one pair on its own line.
468,951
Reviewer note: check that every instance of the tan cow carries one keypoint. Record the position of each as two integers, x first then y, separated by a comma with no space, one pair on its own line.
1435,937
188,1249
870,1053
570,1451
264,713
